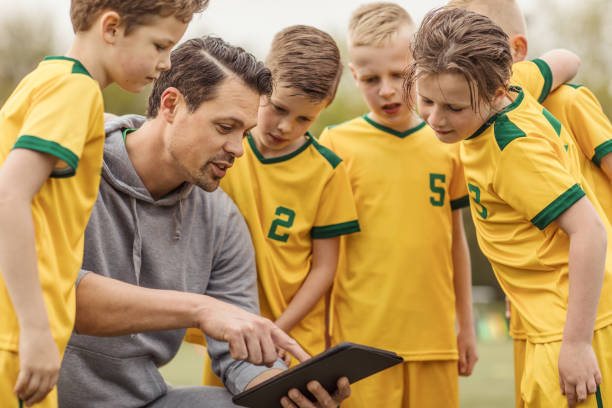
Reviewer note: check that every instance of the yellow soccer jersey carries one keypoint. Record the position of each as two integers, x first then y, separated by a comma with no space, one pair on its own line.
57,109
394,287
582,116
523,171
287,202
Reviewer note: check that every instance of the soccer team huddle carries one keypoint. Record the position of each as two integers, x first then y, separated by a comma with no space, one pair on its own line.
219,219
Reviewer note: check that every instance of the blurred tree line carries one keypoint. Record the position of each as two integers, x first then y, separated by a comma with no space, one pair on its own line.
579,26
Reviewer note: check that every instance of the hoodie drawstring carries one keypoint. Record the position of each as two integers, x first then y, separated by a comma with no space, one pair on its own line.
178,221
137,245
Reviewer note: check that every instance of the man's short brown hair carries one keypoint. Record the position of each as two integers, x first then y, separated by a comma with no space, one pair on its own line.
373,24
133,13
307,59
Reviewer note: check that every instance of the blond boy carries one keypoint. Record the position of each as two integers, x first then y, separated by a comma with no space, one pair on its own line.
580,114
404,281
51,141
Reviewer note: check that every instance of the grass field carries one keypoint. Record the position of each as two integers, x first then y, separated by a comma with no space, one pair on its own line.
491,384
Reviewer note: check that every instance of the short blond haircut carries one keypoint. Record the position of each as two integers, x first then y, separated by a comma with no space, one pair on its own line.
505,13
373,24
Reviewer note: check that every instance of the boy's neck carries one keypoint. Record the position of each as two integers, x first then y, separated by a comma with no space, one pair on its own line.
411,120
268,153
83,50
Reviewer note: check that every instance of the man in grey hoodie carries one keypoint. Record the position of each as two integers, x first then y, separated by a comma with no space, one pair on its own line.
162,255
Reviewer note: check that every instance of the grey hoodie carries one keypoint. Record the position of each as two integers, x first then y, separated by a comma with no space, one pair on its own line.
190,241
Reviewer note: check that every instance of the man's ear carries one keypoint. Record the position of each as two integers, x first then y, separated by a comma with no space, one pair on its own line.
110,23
518,45
171,99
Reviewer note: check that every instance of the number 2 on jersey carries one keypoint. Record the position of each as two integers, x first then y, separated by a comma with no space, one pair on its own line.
281,221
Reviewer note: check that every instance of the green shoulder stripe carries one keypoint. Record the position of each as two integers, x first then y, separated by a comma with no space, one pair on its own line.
558,206
330,231
460,203
506,131
601,151
553,121
330,156
547,74
52,148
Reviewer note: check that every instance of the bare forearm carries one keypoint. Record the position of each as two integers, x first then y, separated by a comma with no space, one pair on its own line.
606,166
587,257
18,263
314,288
108,307
462,277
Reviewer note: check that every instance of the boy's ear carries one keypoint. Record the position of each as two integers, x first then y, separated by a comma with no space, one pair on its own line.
353,71
110,22
518,45
171,98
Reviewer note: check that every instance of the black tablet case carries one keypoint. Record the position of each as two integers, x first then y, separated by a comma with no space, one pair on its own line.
349,360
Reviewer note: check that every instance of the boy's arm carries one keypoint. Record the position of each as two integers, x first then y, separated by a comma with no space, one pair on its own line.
606,166
316,284
579,372
22,175
462,280
563,65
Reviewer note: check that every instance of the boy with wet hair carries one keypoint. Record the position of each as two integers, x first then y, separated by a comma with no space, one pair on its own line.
575,107
536,217
51,141
409,191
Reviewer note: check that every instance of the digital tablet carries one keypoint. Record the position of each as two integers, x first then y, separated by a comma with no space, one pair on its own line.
349,360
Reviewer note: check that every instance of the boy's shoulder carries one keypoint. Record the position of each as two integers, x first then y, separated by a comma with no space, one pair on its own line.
330,157
347,126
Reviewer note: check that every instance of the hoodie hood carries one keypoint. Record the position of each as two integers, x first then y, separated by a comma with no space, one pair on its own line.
117,168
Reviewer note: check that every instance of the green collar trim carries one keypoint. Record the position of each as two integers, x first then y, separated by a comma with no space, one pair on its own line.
515,103
279,159
78,67
393,131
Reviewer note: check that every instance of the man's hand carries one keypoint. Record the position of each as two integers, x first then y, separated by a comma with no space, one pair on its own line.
251,337
466,346
324,400
39,365
579,373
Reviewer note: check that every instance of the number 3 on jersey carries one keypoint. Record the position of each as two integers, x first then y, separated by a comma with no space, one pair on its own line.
285,220
476,197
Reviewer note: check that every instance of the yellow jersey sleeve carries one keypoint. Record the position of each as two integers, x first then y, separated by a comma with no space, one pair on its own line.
531,178
534,77
336,214
59,119
590,123
458,188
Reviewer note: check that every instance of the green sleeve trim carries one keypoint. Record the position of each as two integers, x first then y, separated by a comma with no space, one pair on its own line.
598,398
329,155
553,121
330,231
460,203
548,78
52,148
506,132
601,151
557,207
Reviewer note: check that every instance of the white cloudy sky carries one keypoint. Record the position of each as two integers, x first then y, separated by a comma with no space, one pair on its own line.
249,23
